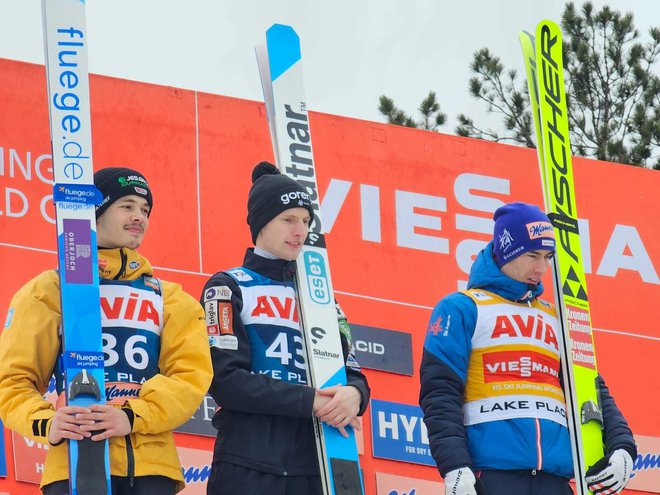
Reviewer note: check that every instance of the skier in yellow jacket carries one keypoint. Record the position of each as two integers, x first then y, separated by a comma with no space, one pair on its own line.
156,353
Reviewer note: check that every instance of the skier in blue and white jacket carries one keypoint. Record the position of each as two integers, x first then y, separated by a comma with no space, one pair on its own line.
265,441
490,376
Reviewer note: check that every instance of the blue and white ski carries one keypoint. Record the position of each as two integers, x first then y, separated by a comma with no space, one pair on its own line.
74,195
280,68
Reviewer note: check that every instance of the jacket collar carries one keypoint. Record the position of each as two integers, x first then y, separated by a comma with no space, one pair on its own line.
486,275
274,269
122,264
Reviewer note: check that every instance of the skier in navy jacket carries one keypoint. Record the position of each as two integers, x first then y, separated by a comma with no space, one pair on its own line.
491,378
265,441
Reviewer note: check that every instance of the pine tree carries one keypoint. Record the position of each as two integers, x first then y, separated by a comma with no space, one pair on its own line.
431,116
612,89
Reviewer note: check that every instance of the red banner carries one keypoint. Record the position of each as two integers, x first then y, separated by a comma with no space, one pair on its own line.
406,211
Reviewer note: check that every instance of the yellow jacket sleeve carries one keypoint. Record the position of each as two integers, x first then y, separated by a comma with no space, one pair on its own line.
170,398
29,347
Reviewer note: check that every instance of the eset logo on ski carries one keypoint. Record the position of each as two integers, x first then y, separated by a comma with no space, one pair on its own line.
317,277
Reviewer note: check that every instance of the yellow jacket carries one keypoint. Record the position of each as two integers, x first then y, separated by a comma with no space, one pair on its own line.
29,349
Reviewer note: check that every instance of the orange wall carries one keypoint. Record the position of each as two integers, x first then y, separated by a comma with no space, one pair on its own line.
197,151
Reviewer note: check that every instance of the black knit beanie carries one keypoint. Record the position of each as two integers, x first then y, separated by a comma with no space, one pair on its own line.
117,182
271,194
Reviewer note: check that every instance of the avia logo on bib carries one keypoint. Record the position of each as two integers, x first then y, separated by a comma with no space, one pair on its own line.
129,308
528,326
274,307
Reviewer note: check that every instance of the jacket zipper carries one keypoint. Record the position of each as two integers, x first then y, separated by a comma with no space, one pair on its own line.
539,450
122,269
130,460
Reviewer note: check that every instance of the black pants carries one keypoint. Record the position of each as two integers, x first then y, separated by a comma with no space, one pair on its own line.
229,479
523,482
142,485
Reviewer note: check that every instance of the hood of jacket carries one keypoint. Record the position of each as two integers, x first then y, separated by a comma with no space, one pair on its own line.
486,275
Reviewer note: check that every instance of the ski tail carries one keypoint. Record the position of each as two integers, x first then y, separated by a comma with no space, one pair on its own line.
280,68
75,197
544,68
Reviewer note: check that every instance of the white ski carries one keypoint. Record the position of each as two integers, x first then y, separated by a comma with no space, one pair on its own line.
280,68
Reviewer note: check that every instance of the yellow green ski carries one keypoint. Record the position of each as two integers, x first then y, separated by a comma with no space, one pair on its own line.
545,78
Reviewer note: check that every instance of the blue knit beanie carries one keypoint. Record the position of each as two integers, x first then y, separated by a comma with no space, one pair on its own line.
520,227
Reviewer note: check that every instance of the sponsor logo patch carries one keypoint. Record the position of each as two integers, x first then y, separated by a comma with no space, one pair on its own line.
10,315
506,240
141,306
226,342
317,278
540,229
512,366
226,322
300,197
152,282
435,327
119,392
211,310
220,293
272,306
241,275
481,296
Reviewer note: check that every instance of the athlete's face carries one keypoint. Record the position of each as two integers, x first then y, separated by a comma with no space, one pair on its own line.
285,234
124,223
529,267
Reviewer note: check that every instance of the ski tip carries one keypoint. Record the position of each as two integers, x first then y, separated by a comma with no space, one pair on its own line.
549,33
282,30
283,49
550,24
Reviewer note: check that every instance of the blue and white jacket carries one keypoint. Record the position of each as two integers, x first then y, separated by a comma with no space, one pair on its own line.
490,380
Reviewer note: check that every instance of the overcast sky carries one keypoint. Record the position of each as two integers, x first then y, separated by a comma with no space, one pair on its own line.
353,50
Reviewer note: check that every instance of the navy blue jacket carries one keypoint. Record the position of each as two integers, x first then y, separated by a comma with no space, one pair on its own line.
265,420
